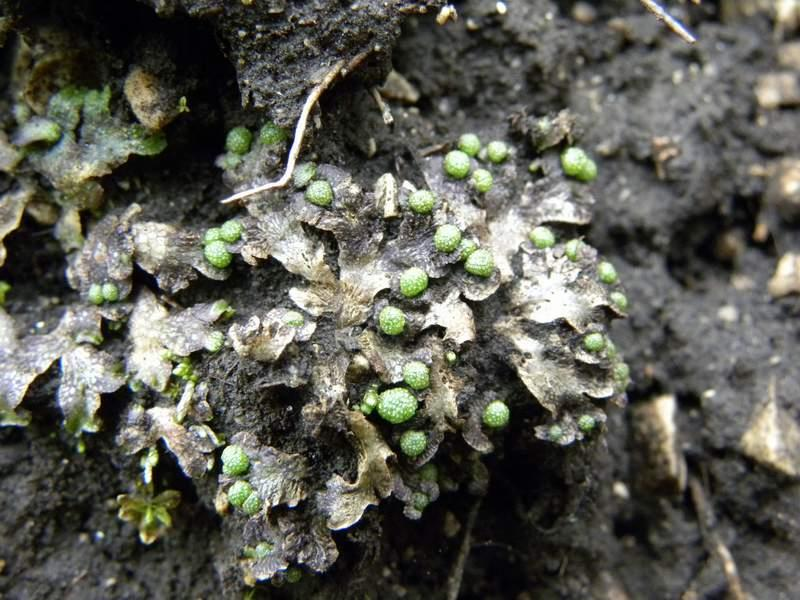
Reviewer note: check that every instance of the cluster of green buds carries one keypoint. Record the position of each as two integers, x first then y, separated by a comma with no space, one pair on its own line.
185,370
241,495
458,163
576,163
477,261
239,142
216,240
100,294
318,192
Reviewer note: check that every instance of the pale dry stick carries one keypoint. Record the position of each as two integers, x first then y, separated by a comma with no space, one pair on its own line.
386,112
339,68
457,573
714,545
669,20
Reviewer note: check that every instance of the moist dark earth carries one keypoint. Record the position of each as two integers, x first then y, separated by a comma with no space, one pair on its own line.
684,152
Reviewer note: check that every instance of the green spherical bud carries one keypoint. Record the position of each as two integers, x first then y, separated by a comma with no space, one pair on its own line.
428,472
370,398
456,164
611,349
576,163
606,272
239,492
542,237
451,357
230,161
466,248
303,174
413,282
397,405
496,414
496,151
95,294
594,342
262,550
555,433
619,300
422,202
482,180
271,134
469,144
586,423
366,408
239,140
392,321
252,505
416,375
447,238
110,292
413,443
621,373
420,501
319,193
216,253
480,263
215,341
5,287
572,249
293,575
230,231
235,461
293,318
212,235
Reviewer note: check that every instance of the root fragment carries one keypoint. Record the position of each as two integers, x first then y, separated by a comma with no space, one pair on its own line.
339,68
662,15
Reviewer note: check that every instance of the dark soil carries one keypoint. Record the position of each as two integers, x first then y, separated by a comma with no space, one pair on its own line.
580,522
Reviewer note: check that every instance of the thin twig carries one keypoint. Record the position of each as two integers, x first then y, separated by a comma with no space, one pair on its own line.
713,543
300,129
670,21
457,573
386,112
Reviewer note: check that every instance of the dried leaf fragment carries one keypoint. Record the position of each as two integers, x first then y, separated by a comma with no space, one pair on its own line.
773,438
786,279
265,339
191,444
172,255
12,205
344,502
158,335
278,477
107,255
455,316
551,377
85,374
295,537
272,231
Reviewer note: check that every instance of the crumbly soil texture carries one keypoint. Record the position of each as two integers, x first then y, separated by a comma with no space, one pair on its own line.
673,500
